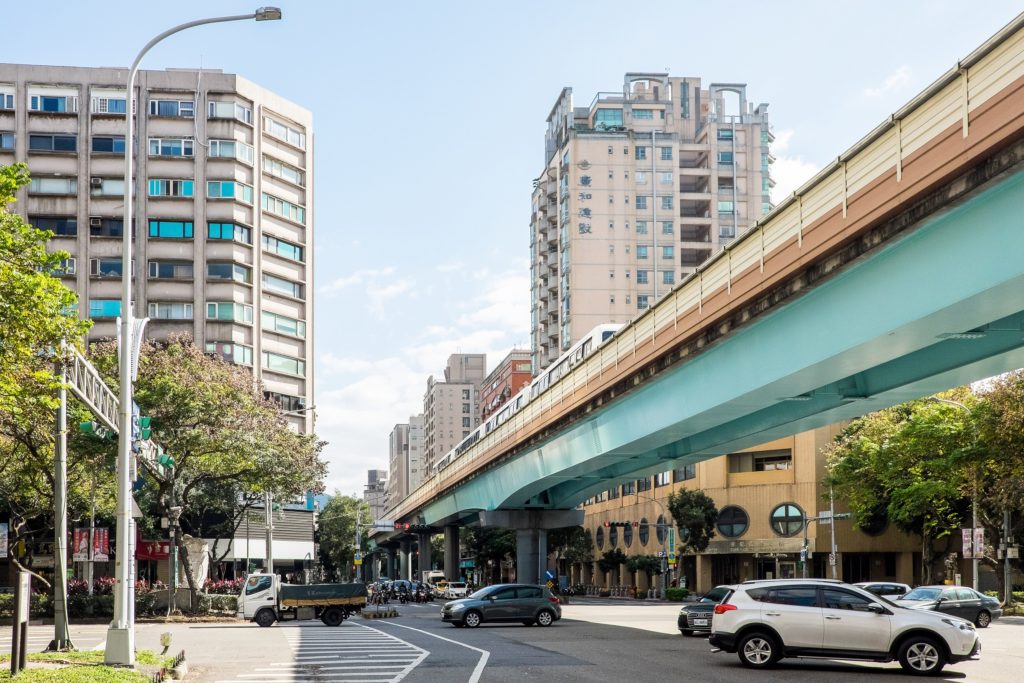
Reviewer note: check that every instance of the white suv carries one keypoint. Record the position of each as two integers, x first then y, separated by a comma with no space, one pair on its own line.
764,621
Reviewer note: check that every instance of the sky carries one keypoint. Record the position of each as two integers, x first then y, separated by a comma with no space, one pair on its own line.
429,121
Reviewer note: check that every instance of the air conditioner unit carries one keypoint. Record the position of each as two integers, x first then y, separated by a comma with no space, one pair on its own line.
96,182
95,221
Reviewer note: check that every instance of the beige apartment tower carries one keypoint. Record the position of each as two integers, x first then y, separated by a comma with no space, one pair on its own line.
451,409
405,459
224,208
638,189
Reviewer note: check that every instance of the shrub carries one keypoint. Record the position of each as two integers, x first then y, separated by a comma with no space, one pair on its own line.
223,603
604,593
676,594
224,586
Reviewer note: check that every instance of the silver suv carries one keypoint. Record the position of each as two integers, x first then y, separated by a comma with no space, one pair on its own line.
764,621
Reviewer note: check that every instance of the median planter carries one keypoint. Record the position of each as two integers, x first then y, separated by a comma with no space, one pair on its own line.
382,614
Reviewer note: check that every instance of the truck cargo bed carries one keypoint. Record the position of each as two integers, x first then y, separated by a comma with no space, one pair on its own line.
293,595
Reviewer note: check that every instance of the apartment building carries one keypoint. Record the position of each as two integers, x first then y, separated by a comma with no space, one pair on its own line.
375,493
451,409
223,204
763,495
512,374
405,458
637,190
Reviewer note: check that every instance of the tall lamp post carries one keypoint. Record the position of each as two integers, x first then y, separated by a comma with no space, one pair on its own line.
120,648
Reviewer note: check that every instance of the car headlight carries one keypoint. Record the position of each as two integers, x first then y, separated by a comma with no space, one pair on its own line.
962,625
458,608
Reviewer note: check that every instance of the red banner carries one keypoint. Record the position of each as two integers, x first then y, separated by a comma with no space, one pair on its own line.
153,550
100,545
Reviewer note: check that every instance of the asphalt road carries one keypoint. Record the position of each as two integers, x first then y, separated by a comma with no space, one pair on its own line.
595,641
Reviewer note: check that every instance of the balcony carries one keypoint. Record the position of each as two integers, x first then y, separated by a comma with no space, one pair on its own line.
700,234
691,258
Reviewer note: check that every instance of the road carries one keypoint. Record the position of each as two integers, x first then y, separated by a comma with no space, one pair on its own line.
595,641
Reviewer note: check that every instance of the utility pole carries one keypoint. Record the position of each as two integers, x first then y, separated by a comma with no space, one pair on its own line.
268,500
61,640
356,556
833,556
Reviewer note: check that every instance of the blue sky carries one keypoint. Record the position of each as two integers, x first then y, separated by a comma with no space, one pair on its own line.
429,129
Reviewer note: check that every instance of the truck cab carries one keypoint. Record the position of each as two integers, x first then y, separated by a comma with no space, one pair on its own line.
259,591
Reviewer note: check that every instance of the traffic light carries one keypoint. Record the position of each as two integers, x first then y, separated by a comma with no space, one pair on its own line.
165,459
608,525
96,429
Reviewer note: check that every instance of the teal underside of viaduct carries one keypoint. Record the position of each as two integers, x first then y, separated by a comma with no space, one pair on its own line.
870,337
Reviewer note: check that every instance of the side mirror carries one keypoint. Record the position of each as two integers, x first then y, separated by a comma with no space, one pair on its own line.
876,608
491,598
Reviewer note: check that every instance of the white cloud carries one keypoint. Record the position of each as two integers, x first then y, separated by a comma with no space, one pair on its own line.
893,83
788,172
359,277
378,295
452,267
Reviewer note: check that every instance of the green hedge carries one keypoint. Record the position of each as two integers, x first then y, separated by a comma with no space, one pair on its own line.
39,606
676,594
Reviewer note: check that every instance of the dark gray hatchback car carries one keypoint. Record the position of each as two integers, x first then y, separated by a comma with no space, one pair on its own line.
526,603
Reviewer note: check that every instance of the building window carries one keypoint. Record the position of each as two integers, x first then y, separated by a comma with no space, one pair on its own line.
231,149
613,493
106,187
685,473
171,270
725,134
641,201
229,231
613,536
599,537
6,139
60,226
641,177
295,175
285,402
176,108
170,311
726,183
229,189
643,114
170,147
7,102
640,153
645,531
665,177
667,227
52,143
662,478
283,131
229,311
53,104
787,519
668,277
732,521
641,227
642,277
726,231
641,251
280,363
104,308
230,110
629,488
607,118
282,324
109,144
106,227
661,529
666,154
281,248
627,536
238,354
105,267
667,201
668,252
726,208
725,158
279,285
171,188
761,461
641,301
284,209
229,271
53,186
109,105
171,230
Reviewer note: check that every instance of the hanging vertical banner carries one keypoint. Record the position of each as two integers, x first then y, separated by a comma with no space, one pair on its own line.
101,544
80,546
3,539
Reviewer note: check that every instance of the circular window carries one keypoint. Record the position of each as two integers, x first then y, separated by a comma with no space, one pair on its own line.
599,537
787,519
644,531
627,536
876,523
613,536
659,530
732,521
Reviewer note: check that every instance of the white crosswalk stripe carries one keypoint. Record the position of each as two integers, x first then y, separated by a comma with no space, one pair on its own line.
39,637
351,653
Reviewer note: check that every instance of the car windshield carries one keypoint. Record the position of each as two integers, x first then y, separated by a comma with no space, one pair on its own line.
714,595
923,594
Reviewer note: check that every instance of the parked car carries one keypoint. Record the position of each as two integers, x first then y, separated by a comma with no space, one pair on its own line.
504,602
885,589
696,617
960,601
456,589
764,621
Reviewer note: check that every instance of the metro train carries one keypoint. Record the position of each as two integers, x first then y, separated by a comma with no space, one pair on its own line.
593,340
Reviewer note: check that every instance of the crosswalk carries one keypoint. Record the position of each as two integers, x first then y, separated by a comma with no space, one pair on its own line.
351,652
84,638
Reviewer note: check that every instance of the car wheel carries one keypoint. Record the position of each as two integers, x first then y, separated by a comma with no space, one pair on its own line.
757,650
686,632
983,619
545,618
333,616
265,618
472,619
921,656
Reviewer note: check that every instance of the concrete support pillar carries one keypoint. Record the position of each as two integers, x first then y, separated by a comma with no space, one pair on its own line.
404,559
703,574
389,564
451,552
426,561
542,555
531,536
527,561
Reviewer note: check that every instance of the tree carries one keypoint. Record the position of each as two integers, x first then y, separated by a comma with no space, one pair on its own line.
337,533
213,420
489,547
650,565
574,544
695,514
611,560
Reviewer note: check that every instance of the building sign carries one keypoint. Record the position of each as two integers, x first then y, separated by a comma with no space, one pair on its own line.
153,550
757,545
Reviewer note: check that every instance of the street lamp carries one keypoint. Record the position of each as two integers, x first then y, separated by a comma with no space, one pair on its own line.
120,648
664,539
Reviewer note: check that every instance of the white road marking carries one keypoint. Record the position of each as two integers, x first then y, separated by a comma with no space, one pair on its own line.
484,656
